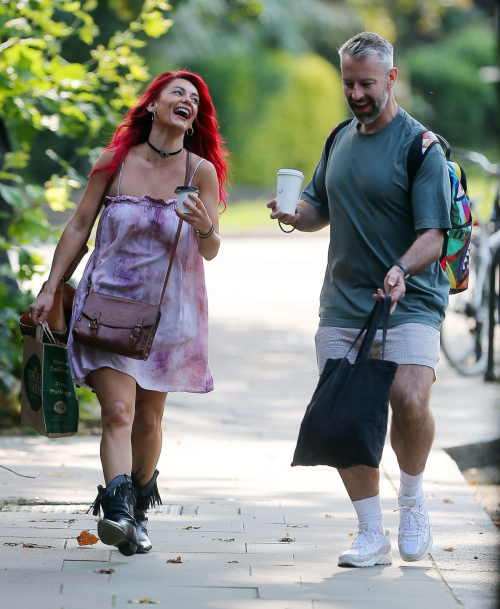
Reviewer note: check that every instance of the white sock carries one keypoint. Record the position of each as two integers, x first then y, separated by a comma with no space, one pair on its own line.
411,485
370,510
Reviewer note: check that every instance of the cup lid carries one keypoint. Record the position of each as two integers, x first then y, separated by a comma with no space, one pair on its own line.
290,172
187,189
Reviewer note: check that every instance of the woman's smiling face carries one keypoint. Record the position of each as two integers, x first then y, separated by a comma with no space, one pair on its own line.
178,104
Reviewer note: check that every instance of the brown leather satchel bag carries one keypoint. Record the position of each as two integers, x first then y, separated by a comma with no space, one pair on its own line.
59,316
120,325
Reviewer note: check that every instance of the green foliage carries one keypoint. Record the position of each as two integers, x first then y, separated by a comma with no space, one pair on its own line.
448,93
276,111
290,129
11,308
61,80
407,21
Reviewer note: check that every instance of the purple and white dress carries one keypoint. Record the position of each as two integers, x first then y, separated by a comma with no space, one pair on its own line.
132,250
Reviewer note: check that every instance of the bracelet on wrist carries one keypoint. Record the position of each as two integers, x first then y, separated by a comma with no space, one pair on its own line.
206,235
294,226
403,267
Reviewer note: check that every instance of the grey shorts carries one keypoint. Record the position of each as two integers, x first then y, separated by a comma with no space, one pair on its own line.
416,344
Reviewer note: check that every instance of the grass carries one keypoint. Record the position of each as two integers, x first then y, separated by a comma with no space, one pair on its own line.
248,214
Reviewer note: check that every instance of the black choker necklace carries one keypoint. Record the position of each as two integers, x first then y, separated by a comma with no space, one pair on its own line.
163,153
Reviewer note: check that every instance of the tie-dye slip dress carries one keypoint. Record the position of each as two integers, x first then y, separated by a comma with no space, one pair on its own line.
132,251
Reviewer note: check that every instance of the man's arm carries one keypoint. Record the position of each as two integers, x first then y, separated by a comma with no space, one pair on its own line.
306,218
425,250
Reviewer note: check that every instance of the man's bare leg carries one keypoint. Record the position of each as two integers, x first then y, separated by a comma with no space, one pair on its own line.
412,429
361,481
412,434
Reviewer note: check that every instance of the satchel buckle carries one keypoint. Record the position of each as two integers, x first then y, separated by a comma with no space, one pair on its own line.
136,332
94,326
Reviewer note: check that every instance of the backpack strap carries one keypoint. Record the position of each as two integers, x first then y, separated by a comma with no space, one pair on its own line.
420,146
331,137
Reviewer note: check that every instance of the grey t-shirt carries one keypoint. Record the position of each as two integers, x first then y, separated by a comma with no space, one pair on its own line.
363,190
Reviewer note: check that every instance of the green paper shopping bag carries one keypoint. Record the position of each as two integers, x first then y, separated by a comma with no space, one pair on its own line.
48,400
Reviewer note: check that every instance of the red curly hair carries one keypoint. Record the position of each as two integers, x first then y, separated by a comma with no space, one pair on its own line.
206,142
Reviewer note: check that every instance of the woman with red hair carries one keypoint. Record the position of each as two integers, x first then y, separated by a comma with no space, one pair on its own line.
170,137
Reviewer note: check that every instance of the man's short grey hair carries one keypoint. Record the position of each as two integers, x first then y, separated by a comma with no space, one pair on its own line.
369,43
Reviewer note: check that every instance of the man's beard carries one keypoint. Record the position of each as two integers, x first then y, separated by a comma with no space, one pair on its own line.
378,107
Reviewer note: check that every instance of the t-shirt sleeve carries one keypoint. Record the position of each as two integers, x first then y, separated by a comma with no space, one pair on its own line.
431,193
315,192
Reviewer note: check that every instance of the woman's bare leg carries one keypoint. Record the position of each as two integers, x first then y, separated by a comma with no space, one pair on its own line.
116,392
146,433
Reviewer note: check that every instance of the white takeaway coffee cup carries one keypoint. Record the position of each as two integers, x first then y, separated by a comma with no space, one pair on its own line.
288,190
183,193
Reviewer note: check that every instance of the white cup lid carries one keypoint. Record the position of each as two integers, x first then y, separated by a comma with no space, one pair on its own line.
290,172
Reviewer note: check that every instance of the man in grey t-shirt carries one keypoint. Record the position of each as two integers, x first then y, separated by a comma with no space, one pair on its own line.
382,236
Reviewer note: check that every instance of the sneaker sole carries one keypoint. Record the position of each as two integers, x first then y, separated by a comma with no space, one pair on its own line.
381,559
420,555
112,534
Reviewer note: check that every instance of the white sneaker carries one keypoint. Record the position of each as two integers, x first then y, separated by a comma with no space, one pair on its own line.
369,548
415,534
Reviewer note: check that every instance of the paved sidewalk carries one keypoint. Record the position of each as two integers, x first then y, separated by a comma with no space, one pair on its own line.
225,468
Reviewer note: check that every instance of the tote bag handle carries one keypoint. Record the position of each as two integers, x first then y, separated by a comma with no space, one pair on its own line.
380,312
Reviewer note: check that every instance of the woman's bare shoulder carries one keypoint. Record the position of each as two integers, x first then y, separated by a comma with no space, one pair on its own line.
105,158
205,169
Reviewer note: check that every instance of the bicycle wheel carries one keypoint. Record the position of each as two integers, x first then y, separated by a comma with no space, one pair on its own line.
492,372
464,332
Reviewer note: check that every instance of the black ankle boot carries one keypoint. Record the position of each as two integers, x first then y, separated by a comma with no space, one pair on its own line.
147,496
118,527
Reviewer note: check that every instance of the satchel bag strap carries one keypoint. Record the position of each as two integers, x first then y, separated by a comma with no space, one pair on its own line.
179,228
380,312
84,249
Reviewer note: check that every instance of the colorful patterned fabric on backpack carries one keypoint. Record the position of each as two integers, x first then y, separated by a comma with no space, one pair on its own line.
456,248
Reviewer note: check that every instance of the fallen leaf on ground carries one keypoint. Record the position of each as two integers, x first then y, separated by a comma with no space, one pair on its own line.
287,539
219,539
448,549
70,521
43,520
470,523
351,534
106,571
233,561
189,528
447,501
86,539
34,545
176,560
328,516
12,543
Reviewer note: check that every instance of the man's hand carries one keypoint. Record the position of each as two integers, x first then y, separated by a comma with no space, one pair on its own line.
281,216
394,285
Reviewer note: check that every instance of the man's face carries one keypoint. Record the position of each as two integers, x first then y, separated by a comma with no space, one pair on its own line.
366,87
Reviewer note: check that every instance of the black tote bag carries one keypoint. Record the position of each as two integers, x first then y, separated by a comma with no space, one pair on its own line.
345,423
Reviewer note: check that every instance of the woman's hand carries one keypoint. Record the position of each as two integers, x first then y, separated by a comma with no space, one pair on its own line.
198,218
40,308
